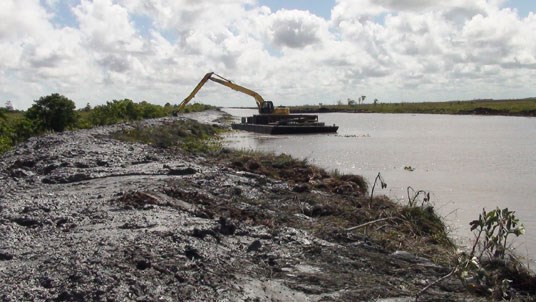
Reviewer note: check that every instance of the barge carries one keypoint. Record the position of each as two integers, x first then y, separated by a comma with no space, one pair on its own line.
284,124
270,120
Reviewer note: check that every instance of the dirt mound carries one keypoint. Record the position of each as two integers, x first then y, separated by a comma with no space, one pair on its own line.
84,217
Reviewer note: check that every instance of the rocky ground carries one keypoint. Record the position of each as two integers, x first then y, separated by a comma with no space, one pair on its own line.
84,217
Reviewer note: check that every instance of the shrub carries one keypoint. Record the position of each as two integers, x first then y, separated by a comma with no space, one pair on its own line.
486,269
188,135
124,110
23,129
5,137
54,112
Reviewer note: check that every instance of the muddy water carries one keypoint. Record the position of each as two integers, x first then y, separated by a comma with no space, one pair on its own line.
466,162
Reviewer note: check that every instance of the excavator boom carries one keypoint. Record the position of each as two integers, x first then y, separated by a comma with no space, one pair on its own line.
194,92
265,107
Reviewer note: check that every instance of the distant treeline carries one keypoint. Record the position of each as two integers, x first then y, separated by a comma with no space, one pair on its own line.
519,107
57,113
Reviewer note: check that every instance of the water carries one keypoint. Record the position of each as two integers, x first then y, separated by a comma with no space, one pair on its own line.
467,162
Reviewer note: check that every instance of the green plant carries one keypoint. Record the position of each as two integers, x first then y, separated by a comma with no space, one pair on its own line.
494,228
189,135
53,112
5,143
486,269
197,107
23,129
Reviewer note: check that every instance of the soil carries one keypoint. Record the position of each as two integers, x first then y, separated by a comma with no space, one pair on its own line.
84,217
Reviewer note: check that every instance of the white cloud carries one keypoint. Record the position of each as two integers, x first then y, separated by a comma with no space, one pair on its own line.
106,27
386,49
296,29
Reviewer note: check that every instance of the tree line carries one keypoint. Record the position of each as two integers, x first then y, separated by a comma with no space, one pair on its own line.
57,113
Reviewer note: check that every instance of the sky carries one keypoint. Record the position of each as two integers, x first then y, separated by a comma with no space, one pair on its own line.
290,52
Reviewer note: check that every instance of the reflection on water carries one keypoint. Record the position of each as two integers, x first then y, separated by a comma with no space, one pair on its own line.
466,162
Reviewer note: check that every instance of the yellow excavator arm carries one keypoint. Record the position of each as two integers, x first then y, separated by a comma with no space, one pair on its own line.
265,107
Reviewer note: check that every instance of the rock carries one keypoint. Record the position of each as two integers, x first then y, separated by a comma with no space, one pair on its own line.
63,179
24,163
237,191
407,256
19,173
301,188
102,163
191,253
81,165
46,282
143,264
181,171
254,246
49,169
26,222
5,256
227,227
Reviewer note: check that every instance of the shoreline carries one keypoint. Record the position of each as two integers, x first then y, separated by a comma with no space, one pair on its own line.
86,215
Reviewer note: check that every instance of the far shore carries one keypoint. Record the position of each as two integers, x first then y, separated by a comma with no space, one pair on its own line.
514,107
518,107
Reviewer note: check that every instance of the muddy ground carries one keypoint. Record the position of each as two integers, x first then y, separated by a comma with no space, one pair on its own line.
84,217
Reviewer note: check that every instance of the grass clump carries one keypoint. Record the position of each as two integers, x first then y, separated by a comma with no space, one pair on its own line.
298,172
188,135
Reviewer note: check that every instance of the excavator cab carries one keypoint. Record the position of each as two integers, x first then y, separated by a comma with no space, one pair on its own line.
267,107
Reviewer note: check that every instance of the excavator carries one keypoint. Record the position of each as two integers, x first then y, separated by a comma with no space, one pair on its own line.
265,107
270,120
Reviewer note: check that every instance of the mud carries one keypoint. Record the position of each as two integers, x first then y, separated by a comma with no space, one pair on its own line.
84,217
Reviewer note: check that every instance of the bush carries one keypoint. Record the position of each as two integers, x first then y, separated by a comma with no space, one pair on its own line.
54,112
123,111
491,268
23,129
5,143
197,107
189,135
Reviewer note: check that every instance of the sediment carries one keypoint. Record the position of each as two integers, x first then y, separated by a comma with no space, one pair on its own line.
85,217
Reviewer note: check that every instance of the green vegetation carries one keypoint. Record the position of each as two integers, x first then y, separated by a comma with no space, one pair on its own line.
197,107
491,268
54,112
521,107
188,135
57,113
118,111
5,140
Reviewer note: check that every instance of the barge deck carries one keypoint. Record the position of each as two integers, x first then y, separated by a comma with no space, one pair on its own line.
284,124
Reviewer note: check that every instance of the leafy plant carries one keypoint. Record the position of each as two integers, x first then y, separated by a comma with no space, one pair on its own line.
486,269
5,143
53,112
494,228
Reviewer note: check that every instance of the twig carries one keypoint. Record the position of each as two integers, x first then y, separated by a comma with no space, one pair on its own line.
422,291
369,223
383,184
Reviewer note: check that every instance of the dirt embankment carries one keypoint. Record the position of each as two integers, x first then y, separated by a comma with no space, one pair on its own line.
84,217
